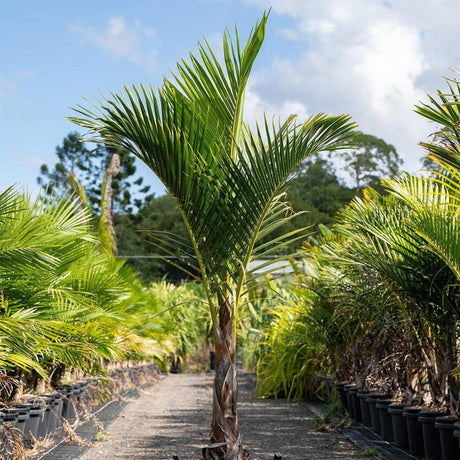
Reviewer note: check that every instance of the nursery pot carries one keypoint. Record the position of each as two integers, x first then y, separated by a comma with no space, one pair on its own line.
431,438
54,416
386,424
69,401
350,406
414,430
8,417
364,406
44,422
340,389
212,360
356,406
327,385
372,399
400,435
21,414
59,399
31,428
456,433
449,444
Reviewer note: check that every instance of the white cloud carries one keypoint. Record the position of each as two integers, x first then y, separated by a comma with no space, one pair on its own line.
120,40
9,87
374,60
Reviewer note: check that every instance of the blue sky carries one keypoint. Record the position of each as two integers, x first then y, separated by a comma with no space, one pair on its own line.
374,60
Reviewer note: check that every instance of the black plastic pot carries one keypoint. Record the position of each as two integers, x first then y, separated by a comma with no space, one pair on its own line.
58,403
340,389
69,400
8,417
431,437
364,405
457,433
449,444
414,431
372,399
350,405
31,426
400,435
22,414
44,420
356,406
386,424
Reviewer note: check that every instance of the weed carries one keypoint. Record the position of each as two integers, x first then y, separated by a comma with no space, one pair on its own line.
373,452
99,436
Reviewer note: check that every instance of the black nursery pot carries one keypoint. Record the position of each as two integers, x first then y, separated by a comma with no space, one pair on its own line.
69,402
22,414
350,406
356,406
55,404
340,389
431,437
386,423
456,433
31,426
414,430
372,399
400,435
364,405
449,445
8,417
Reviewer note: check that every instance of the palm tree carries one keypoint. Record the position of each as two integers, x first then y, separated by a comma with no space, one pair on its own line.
226,180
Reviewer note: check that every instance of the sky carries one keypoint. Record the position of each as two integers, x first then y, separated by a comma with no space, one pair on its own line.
372,59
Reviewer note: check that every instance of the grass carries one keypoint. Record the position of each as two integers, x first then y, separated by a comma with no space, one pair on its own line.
373,452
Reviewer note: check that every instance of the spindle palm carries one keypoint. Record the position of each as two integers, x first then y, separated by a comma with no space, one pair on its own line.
226,180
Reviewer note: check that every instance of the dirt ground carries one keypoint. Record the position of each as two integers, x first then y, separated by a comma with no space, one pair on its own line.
174,417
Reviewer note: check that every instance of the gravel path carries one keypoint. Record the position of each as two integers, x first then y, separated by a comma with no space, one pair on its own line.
174,416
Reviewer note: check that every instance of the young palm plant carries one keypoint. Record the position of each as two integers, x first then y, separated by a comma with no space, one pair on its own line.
226,180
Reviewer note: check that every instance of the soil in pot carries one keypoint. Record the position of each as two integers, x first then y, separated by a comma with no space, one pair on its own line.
449,444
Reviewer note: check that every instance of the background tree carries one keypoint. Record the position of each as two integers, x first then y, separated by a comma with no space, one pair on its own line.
156,214
371,160
89,168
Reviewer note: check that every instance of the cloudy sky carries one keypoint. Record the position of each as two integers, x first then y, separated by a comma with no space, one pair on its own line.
373,59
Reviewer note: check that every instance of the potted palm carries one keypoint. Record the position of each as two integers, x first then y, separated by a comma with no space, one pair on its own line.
226,181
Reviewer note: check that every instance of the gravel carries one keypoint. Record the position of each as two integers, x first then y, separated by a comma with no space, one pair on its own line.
174,417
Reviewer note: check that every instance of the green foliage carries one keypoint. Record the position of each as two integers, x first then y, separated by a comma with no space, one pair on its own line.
383,287
290,359
66,303
226,182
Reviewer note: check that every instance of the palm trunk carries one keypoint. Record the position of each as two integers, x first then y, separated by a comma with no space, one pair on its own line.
224,436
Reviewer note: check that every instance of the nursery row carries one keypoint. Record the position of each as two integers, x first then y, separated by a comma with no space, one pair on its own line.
377,297
424,433
36,417
68,305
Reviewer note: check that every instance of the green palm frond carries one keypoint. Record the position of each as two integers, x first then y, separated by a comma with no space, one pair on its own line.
227,181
